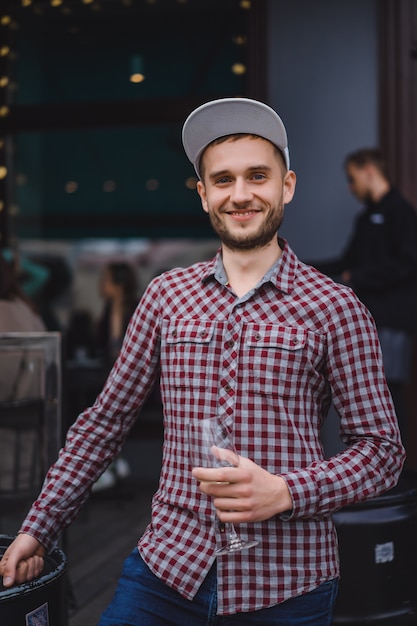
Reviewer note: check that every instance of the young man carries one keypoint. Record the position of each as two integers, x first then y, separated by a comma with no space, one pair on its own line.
266,342
380,264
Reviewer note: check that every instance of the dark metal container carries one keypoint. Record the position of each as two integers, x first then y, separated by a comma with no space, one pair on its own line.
378,558
41,602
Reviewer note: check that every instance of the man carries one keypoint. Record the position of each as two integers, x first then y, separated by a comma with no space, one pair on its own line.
380,264
264,341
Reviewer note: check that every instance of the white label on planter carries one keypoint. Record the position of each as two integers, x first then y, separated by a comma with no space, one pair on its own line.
384,552
38,617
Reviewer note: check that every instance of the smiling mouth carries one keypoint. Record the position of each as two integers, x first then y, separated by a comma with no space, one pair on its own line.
242,213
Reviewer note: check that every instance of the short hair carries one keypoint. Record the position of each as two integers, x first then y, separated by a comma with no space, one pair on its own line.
366,156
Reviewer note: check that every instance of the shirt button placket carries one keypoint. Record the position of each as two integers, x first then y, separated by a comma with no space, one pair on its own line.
229,364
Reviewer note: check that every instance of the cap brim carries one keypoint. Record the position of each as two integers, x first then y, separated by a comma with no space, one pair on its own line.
229,116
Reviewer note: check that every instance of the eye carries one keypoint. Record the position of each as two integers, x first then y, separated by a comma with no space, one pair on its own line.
223,180
258,176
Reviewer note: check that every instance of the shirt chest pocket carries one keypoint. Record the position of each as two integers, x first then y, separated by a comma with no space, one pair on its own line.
189,352
279,358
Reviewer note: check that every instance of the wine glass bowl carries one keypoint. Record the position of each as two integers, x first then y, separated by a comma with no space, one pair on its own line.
211,445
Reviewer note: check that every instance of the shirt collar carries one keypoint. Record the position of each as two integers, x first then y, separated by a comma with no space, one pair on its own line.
281,275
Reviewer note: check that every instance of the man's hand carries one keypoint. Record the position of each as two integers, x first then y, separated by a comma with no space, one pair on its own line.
22,561
247,493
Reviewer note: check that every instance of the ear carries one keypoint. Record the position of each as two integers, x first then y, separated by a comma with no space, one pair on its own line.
290,180
202,193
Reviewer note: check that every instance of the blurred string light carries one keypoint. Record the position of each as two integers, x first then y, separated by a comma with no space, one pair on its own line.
109,186
152,184
238,68
240,40
71,186
5,57
191,182
136,69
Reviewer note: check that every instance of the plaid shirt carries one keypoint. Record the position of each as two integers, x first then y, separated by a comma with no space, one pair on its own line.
270,362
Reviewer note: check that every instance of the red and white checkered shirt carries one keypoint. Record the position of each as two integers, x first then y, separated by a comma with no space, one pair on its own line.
270,362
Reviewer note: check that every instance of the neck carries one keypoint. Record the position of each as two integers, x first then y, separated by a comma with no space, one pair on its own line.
380,189
245,268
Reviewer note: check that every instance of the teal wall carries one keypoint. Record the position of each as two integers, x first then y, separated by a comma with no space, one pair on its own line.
69,58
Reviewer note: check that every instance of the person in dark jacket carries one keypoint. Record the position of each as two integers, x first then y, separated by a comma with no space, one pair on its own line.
380,264
119,289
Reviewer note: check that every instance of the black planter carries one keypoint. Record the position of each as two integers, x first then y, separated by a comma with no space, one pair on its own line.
42,601
378,558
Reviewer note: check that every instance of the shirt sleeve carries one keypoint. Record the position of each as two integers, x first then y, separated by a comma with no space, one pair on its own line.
373,460
99,432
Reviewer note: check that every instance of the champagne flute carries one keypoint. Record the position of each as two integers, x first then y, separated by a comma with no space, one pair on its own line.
211,445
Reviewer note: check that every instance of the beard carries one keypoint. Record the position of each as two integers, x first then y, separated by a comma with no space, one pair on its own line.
248,240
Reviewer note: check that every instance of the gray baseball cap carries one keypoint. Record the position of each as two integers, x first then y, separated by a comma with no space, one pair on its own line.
228,116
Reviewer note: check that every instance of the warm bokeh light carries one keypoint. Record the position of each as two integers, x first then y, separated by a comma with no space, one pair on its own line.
191,182
238,68
152,184
71,186
137,78
109,186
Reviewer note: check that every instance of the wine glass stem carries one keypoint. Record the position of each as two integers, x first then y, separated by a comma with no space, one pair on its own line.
232,536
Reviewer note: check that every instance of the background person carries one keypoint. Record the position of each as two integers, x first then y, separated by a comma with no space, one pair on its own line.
266,342
119,289
380,264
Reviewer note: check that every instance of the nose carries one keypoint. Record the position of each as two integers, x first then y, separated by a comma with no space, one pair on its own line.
241,191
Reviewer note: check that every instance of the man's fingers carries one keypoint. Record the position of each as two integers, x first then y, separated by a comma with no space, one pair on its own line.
28,569
25,570
22,561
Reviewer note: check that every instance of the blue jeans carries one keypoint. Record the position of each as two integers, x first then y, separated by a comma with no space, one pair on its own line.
142,599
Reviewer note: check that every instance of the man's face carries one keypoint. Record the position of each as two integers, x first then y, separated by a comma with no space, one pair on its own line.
244,191
359,181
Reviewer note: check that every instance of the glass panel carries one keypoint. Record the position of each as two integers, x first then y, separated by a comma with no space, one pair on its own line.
92,151
81,52
95,183
30,419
